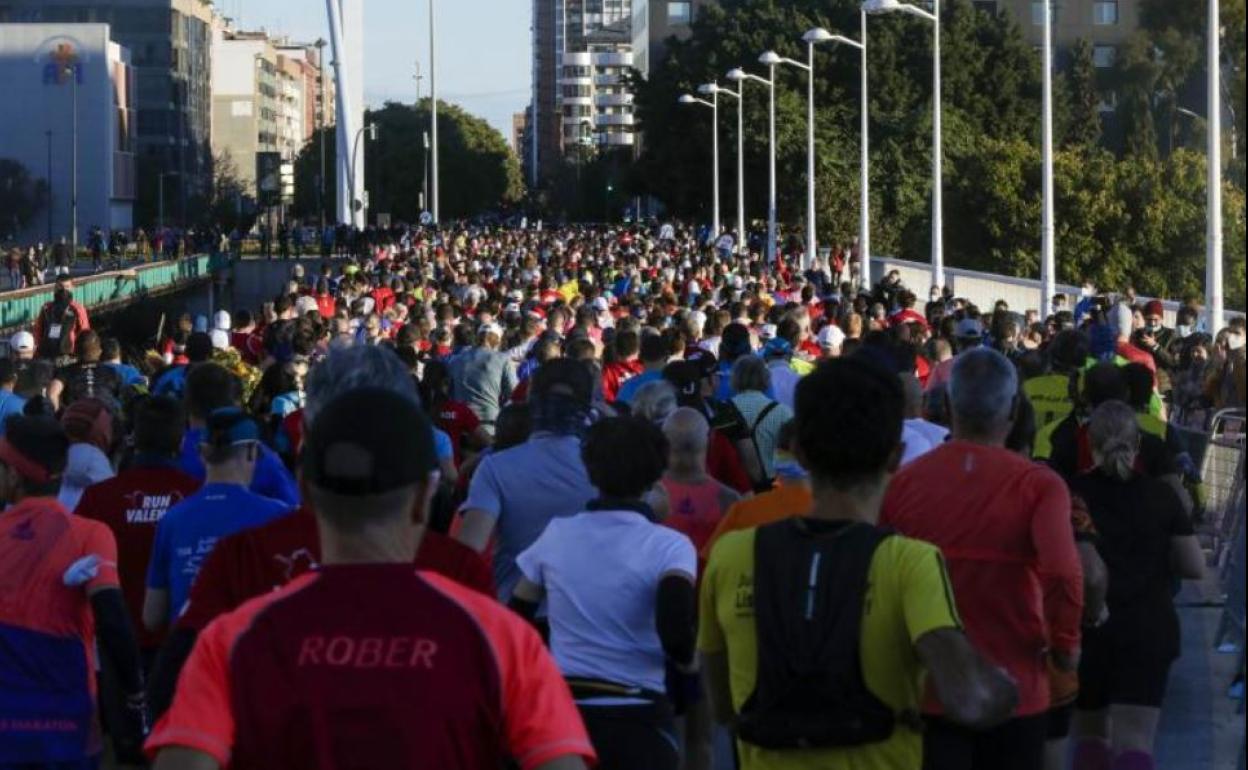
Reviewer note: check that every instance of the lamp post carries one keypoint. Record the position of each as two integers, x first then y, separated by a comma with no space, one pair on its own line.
48,134
371,130
72,71
714,105
433,120
864,192
718,89
739,75
1048,262
1213,214
890,6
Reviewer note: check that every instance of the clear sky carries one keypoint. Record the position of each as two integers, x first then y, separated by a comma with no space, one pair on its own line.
483,48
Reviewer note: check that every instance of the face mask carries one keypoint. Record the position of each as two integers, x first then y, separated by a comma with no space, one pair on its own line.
1152,328
1234,341
63,296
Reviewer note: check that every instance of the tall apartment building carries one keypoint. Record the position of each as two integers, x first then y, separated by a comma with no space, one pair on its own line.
169,42
70,89
582,50
1105,24
317,86
247,105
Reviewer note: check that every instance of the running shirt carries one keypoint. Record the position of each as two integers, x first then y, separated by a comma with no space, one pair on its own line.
908,595
617,373
457,420
695,509
262,559
601,570
271,478
790,497
131,504
47,633
189,531
414,672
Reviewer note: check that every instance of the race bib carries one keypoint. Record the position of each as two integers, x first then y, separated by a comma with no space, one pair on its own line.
54,331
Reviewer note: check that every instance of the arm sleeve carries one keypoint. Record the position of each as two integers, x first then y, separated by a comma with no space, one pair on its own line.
99,542
675,617
200,717
117,641
927,600
1057,560
158,562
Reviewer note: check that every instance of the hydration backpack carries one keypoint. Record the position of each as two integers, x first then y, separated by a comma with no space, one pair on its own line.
809,592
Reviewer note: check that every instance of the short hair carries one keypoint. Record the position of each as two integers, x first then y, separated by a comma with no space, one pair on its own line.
1023,432
687,431
513,426
88,346
1139,385
750,373
655,347
627,343
359,366
210,387
982,390
42,439
1068,350
655,400
565,376
159,426
110,348
849,414
1104,382
624,456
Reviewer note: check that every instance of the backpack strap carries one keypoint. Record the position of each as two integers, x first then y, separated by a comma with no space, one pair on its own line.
754,437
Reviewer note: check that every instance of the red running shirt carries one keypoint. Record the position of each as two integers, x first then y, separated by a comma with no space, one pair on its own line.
259,560
409,670
1003,524
131,504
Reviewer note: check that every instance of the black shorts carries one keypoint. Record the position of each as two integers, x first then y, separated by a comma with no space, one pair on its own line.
1059,719
1017,744
1124,665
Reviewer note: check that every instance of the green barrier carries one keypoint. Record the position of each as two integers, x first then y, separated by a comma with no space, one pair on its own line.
18,309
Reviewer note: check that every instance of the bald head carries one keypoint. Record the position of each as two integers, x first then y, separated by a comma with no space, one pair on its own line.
687,431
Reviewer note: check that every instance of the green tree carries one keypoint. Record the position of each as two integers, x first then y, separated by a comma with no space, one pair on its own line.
21,197
1084,97
477,170
1137,74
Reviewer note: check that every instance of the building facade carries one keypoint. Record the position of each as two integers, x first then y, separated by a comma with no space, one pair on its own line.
75,86
169,43
247,111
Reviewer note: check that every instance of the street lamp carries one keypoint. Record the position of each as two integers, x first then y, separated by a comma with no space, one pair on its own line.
320,130
433,118
71,71
714,105
864,192
891,6
371,130
1213,183
1048,261
811,38
715,88
740,76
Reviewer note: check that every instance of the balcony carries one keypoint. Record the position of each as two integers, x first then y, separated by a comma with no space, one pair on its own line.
582,59
613,120
608,80
581,100
613,59
613,100
615,139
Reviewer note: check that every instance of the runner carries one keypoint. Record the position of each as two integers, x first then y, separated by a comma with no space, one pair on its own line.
354,664
59,596
858,628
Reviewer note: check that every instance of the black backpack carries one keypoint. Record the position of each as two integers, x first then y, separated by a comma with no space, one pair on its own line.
809,591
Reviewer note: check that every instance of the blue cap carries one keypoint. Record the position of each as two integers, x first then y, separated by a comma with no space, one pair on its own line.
777,346
230,426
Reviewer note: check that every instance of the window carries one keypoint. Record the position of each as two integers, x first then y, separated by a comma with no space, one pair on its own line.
1103,56
1037,12
679,11
1105,12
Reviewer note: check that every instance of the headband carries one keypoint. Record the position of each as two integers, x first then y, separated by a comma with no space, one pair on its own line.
25,467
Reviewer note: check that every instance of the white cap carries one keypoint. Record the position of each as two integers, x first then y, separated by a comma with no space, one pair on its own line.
491,328
221,320
305,305
220,339
23,340
296,271
600,304
831,336
767,331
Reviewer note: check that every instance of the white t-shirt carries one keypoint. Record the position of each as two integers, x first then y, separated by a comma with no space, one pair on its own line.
601,571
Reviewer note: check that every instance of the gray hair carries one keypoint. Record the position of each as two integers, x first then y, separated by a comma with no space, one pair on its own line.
1115,438
654,401
750,373
982,390
359,366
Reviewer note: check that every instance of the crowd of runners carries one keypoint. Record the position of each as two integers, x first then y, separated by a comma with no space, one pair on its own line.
561,498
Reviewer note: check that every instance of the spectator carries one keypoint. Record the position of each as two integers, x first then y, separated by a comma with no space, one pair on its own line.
1003,524
60,321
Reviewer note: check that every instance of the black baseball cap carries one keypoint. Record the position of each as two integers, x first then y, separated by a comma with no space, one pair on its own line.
369,441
